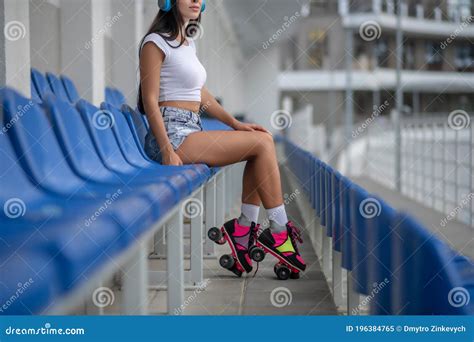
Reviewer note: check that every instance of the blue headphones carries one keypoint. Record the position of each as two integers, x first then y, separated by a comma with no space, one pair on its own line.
165,5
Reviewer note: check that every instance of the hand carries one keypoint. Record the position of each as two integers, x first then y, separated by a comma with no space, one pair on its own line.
243,126
171,158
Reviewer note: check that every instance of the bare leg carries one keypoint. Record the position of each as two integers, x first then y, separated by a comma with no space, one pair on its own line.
250,191
220,148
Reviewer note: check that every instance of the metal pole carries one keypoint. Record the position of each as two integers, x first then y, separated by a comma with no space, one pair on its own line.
349,96
399,98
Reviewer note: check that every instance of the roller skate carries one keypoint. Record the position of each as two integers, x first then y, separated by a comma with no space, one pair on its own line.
241,240
284,247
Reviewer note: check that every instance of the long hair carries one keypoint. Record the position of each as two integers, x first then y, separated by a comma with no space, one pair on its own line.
168,25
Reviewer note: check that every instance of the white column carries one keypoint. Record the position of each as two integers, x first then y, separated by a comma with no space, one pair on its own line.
83,27
15,62
127,33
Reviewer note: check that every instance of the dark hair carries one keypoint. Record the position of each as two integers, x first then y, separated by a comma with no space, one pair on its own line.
168,25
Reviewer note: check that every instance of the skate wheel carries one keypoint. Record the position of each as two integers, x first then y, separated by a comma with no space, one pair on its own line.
282,272
215,235
257,254
227,261
295,275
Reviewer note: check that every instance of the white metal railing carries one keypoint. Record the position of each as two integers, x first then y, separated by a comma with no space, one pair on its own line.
457,11
437,162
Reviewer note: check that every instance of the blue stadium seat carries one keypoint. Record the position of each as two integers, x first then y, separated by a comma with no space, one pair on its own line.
41,157
40,83
35,242
317,187
71,89
129,148
362,208
34,93
427,278
379,260
336,212
57,86
114,97
106,145
329,199
345,191
322,194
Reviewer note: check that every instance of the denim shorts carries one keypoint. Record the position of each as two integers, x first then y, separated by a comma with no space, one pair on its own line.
179,123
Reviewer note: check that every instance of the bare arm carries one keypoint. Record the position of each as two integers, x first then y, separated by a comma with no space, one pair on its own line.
151,60
212,107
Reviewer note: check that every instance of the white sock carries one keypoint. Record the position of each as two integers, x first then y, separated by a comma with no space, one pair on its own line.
251,211
278,214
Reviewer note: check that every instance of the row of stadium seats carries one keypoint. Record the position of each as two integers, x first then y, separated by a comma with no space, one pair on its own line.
77,189
413,270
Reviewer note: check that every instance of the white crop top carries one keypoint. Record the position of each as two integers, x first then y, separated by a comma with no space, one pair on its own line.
182,74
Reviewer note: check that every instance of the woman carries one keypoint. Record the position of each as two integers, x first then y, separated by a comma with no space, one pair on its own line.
171,94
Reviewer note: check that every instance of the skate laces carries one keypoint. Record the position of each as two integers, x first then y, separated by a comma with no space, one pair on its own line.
254,229
295,233
254,232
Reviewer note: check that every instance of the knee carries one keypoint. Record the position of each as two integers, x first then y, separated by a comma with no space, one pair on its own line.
264,141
